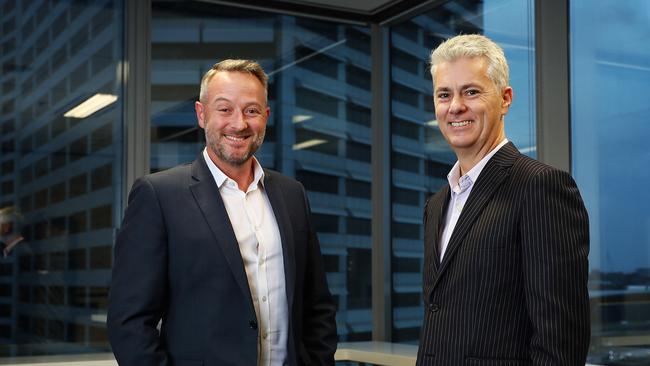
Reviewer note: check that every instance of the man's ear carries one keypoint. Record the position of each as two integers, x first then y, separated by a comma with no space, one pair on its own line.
200,113
506,99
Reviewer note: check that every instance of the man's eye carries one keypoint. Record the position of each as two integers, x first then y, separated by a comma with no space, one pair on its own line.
252,111
472,92
223,109
443,95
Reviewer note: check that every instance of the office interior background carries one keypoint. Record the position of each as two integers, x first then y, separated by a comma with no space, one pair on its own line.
351,118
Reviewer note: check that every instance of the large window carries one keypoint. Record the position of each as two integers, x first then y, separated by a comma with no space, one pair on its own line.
60,179
610,67
62,175
319,130
420,157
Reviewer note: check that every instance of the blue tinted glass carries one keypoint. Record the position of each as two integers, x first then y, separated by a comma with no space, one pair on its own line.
318,132
60,172
420,156
610,63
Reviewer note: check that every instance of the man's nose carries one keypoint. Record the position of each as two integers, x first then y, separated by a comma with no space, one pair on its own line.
238,121
457,105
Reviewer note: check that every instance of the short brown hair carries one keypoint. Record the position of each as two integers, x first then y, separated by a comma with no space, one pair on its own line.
230,65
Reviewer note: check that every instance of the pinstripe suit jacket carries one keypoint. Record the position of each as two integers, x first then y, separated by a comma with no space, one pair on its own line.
512,286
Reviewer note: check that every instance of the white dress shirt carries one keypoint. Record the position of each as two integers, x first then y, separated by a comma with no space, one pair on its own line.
460,190
260,245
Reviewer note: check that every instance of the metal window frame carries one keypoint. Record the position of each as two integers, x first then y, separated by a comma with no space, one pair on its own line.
381,175
553,83
137,90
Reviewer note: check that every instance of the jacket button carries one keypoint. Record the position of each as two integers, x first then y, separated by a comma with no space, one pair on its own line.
252,324
434,307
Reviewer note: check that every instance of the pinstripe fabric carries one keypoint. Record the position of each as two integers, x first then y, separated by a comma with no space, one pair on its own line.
512,286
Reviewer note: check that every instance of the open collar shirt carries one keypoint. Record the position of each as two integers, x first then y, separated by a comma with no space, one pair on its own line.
460,189
260,245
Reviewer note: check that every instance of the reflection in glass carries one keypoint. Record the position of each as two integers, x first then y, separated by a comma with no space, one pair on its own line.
60,175
318,132
610,58
420,156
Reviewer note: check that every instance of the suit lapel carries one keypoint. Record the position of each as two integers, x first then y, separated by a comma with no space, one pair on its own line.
491,177
206,194
281,213
436,214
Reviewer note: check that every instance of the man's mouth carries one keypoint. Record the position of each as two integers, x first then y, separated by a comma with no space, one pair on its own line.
460,123
235,138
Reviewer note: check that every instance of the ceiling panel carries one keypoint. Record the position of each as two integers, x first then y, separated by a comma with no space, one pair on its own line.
357,6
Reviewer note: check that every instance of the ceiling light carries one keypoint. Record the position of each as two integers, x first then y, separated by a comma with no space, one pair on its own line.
98,318
91,105
308,144
301,118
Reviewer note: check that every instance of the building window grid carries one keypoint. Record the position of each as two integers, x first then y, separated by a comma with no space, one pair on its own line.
38,163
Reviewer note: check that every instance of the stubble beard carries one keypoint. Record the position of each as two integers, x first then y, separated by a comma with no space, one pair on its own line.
221,151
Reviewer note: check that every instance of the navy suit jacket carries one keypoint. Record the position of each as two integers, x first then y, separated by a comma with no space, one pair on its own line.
511,289
177,261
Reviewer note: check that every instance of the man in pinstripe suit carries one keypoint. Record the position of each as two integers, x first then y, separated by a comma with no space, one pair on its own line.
506,242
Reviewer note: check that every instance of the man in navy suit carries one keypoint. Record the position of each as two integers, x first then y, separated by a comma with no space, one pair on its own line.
221,252
506,242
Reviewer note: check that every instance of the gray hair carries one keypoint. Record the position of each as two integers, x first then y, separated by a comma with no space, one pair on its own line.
469,46
246,66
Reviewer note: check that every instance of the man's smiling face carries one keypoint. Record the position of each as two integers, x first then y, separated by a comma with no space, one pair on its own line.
469,108
233,115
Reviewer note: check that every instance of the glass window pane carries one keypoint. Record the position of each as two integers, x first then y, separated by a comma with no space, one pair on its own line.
318,132
420,157
610,58
60,187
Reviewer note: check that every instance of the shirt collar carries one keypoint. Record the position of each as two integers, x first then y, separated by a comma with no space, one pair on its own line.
458,183
220,177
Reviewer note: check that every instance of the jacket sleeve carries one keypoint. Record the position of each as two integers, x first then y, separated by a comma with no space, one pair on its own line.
138,292
555,246
319,317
